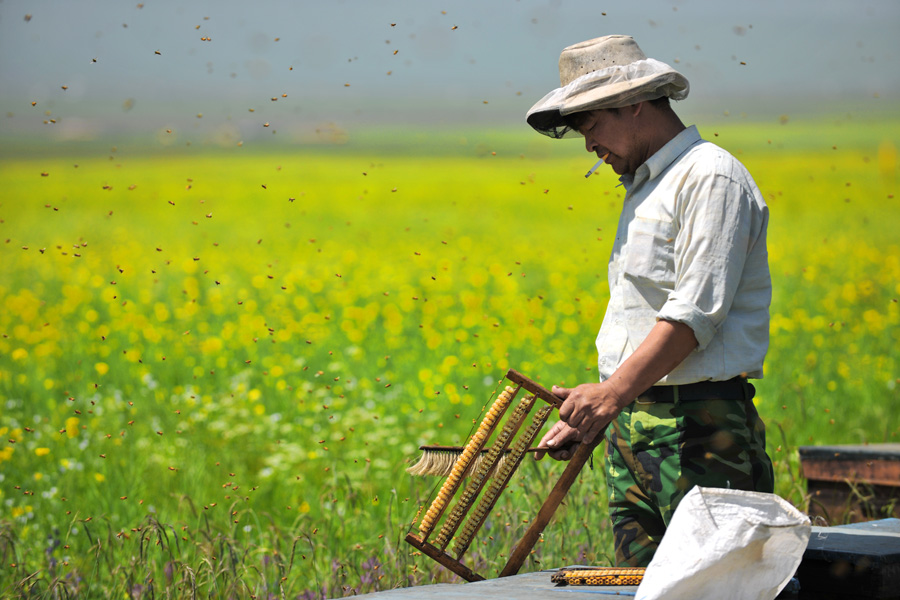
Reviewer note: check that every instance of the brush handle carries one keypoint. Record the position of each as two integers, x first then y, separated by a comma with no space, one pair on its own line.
459,449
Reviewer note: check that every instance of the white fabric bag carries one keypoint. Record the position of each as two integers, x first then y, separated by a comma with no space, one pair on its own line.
727,544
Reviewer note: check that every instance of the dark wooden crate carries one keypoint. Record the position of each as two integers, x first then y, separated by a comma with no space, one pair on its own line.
849,484
860,561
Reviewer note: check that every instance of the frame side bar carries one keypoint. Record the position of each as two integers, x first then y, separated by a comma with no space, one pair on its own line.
525,545
534,387
443,558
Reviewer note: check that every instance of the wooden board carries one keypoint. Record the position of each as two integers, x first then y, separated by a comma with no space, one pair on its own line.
852,483
875,464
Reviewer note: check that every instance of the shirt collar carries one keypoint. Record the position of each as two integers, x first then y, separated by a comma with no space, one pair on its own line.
663,157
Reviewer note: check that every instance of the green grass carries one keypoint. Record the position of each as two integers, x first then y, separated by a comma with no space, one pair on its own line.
216,366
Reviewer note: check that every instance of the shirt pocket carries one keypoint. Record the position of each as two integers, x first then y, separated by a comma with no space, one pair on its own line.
649,253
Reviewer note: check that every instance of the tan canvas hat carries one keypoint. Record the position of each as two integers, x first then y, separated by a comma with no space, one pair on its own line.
606,72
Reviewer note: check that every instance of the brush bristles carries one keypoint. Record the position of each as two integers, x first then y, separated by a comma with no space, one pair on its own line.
439,463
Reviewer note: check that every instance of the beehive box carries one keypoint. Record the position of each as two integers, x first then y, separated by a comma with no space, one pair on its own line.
849,484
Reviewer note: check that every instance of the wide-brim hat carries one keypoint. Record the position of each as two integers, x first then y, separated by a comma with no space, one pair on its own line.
605,72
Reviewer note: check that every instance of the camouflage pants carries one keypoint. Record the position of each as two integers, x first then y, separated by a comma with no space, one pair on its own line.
656,452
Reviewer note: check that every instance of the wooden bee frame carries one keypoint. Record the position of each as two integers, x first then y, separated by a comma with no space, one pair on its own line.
522,549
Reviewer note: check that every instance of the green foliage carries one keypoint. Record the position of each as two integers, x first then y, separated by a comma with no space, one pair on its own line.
215,368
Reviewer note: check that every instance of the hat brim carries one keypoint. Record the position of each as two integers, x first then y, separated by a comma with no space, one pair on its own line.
547,115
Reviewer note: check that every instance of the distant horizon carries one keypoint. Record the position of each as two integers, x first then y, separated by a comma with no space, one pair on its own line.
761,133
101,68
162,127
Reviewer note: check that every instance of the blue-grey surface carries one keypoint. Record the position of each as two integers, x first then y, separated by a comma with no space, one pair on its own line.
528,586
875,543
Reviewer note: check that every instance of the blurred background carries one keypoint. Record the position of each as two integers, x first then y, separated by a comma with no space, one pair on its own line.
166,72
274,246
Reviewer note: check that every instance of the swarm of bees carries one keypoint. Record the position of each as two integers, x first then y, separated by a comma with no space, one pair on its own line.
267,114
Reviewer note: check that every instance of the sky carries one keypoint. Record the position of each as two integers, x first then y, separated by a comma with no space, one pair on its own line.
82,69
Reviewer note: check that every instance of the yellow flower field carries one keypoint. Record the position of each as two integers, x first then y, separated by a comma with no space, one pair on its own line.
215,366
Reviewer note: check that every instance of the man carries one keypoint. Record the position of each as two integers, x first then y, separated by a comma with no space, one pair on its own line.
688,315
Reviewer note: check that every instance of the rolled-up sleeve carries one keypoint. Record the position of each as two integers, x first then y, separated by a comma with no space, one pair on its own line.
715,230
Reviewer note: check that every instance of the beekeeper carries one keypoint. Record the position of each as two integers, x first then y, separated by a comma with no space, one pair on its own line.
687,322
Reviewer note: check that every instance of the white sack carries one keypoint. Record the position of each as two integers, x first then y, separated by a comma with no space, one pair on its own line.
727,544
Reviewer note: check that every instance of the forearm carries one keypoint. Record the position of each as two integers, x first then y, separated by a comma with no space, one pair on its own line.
666,346
589,407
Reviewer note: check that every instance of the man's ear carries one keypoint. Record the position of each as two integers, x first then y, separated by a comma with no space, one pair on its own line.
636,109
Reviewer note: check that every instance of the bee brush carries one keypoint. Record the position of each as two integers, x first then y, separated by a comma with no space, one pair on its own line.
438,461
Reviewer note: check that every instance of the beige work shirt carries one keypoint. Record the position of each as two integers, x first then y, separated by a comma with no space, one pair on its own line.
691,247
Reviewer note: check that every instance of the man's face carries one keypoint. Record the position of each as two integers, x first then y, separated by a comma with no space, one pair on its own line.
613,131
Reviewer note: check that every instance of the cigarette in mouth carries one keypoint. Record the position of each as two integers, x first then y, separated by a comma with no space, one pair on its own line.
597,166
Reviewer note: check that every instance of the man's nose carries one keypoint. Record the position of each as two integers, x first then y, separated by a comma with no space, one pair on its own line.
590,144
